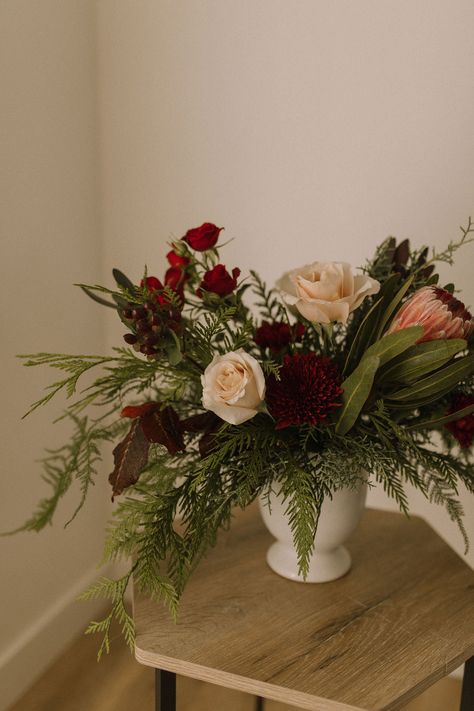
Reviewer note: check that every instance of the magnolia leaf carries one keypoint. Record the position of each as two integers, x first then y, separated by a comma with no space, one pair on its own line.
164,427
437,384
356,389
423,359
130,458
394,344
438,421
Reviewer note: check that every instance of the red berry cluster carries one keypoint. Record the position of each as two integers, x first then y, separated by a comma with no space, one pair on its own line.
150,321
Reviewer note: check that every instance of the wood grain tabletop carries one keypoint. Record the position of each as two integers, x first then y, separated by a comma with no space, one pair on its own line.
402,618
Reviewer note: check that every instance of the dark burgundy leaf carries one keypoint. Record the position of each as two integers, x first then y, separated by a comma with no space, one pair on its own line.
130,458
164,428
200,423
401,254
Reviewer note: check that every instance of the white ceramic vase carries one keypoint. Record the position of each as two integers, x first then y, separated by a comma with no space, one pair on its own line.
330,559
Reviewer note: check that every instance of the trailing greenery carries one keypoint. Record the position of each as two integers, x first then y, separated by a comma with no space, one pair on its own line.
180,471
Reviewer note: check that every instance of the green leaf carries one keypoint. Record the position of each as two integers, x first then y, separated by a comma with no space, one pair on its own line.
394,344
366,333
173,349
99,300
389,311
423,359
123,281
438,421
438,383
357,389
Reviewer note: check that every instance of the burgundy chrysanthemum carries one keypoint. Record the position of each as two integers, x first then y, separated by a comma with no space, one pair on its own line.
462,429
308,389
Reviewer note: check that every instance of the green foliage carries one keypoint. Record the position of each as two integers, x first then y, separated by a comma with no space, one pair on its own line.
434,386
113,590
423,359
356,390
395,393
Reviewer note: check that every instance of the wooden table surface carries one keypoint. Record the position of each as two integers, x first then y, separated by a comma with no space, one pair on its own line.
402,618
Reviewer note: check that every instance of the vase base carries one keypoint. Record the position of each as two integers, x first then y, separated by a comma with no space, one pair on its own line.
324,566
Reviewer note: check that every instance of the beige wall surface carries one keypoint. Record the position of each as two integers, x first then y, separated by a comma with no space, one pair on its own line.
49,240
310,129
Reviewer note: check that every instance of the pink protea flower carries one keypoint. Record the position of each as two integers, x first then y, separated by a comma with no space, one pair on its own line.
438,311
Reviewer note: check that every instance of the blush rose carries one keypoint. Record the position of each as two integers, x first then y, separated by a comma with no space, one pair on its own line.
233,386
326,291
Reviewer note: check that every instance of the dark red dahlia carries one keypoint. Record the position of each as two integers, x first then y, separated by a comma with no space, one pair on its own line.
277,335
308,389
462,429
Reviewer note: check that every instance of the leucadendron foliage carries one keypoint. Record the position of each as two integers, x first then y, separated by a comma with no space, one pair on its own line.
223,387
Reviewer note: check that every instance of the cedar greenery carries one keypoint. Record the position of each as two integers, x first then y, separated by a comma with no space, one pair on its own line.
395,396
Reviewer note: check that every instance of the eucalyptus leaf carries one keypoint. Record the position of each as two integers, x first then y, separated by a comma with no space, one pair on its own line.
436,384
356,390
423,359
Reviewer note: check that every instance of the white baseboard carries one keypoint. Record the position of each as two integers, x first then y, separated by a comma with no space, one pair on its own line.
33,651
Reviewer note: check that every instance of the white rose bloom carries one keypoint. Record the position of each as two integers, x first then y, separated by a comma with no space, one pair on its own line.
233,386
326,291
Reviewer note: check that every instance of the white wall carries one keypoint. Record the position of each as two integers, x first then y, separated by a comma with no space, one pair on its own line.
310,129
49,240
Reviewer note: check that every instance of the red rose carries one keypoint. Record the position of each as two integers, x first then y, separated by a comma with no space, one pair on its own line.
177,260
219,281
202,238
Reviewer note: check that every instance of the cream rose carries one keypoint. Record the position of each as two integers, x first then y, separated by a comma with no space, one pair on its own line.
233,386
326,291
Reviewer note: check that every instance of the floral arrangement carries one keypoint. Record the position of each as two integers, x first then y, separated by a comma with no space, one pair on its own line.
216,396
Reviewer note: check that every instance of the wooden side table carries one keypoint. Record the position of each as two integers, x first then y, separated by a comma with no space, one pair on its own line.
399,621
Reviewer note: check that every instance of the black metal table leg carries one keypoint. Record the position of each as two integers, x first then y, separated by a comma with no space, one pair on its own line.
258,703
467,696
165,690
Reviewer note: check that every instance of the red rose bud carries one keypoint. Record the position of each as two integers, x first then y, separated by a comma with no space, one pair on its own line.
462,429
219,281
177,260
175,278
204,237
438,311
152,283
277,335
